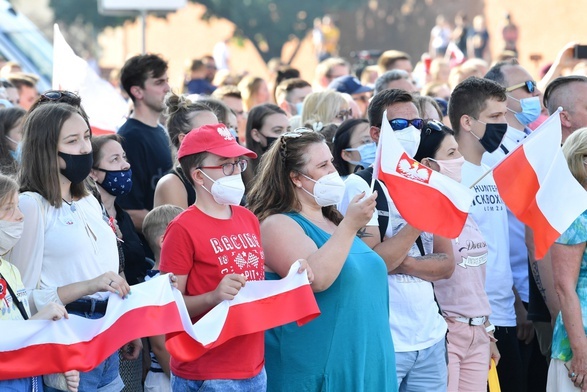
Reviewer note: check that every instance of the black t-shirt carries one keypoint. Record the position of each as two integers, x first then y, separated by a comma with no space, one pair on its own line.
186,183
135,266
148,152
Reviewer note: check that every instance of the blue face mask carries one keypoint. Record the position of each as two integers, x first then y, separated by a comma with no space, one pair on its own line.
116,182
531,110
367,153
299,107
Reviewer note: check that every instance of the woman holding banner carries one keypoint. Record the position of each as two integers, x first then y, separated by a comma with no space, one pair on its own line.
349,346
462,297
67,253
568,367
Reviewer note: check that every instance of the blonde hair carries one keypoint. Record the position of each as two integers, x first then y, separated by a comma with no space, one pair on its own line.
575,151
8,188
155,224
249,85
322,107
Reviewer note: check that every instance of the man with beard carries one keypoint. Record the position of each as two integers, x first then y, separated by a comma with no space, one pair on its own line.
145,141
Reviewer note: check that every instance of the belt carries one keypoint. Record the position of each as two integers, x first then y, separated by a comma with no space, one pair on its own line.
87,306
155,370
472,320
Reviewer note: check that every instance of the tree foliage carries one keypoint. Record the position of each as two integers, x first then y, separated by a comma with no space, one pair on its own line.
267,23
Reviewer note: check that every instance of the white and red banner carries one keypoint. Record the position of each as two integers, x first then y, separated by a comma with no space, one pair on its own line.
259,306
426,199
104,105
36,347
535,183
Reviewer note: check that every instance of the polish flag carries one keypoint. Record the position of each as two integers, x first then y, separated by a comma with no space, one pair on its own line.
259,306
36,347
535,183
426,199
105,107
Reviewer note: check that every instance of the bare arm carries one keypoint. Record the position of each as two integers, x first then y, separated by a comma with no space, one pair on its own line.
170,190
566,263
137,217
431,267
109,281
158,347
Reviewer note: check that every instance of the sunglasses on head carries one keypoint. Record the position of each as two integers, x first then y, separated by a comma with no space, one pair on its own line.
59,95
298,132
432,126
397,124
529,84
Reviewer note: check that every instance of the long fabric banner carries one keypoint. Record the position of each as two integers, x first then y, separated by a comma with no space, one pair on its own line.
36,347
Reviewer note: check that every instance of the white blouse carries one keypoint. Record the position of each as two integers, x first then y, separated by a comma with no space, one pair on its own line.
60,246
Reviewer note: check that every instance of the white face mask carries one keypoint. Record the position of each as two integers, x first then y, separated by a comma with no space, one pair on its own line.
10,233
328,190
409,138
227,190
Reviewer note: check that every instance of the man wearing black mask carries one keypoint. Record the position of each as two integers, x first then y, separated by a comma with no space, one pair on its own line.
477,113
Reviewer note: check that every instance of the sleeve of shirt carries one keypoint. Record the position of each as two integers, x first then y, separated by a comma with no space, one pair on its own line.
353,186
135,154
177,251
576,233
27,254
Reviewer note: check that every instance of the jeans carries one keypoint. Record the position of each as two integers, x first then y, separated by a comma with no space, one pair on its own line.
257,383
22,384
423,370
104,377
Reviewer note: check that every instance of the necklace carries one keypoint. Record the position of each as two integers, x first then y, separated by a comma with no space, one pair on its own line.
70,204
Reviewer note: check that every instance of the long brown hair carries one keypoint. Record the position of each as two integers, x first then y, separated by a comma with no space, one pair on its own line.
273,191
39,170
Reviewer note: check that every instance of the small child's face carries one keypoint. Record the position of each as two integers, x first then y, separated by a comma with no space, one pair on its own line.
9,211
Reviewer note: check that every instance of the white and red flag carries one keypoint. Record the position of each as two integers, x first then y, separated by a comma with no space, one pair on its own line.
104,106
259,306
426,199
535,183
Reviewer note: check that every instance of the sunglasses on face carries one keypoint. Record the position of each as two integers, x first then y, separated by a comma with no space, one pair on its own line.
529,84
397,124
344,114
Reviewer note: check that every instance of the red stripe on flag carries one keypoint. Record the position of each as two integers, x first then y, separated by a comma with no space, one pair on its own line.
513,175
99,131
297,305
435,213
50,358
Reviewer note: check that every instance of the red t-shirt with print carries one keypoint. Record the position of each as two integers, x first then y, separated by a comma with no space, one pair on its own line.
205,249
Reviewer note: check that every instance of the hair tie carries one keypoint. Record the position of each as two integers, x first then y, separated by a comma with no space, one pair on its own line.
317,126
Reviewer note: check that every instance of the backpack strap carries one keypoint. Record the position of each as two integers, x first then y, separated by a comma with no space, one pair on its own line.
381,201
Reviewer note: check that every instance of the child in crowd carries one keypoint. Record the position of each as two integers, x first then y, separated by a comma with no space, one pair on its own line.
154,226
14,304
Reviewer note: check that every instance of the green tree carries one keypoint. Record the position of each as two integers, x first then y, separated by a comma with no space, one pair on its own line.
267,23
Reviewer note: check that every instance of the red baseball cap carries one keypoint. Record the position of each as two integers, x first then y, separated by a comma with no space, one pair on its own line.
216,139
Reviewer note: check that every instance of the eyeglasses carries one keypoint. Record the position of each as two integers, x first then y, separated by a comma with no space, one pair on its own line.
345,114
397,124
228,168
529,84
60,95
432,126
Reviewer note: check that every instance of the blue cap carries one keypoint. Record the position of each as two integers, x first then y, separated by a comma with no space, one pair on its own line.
348,84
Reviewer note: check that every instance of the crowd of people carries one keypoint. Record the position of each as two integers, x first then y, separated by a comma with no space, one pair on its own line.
226,180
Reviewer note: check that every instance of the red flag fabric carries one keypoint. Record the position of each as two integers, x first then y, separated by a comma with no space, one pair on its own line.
259,306
535,183
426,199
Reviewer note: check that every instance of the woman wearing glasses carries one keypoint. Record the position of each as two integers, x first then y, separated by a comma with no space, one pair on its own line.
349,347
199,247
67,253
461,297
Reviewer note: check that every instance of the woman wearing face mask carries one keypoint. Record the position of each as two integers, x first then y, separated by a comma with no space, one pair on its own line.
265,123
207,267
462,297
349,346
113,175
353,148
183,115
67,253
11,129
11,308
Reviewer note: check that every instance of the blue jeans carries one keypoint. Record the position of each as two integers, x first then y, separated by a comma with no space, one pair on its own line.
22,384
422,370
104,377
257,383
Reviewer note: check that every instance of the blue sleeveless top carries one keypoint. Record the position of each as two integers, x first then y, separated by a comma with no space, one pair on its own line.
349,346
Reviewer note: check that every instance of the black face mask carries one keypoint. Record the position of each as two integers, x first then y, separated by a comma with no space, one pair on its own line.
270,140
77,167
493,135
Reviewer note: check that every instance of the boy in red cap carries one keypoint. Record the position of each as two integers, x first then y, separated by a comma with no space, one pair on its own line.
214,247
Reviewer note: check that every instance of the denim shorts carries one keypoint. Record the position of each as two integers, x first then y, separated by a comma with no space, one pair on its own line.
257,383
105,376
